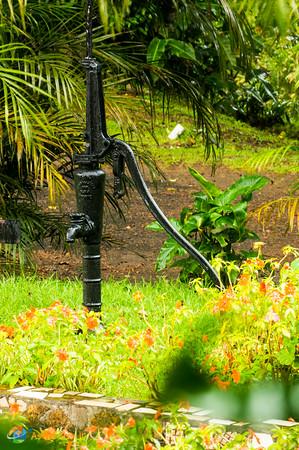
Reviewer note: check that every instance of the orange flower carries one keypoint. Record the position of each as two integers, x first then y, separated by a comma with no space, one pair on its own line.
55,303
62,355
180,343
133,360
213,369
92,322
224,303
66,311
157,415
244,279
236,376
148,338
102,443
149,446
223,385
117,331
109,431
30,314
48,434
131,422
179,304
289,289
22,322
132,343
276,296
14,408
68,435
205,338
137,296
225,368
69,445
263,287
9,331
91,429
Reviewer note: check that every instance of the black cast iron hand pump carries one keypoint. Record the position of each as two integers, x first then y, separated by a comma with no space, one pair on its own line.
87,223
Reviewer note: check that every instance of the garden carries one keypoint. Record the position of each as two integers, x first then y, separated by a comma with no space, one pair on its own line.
211,366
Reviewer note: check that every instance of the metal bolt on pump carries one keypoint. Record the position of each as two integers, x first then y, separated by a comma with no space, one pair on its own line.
87,222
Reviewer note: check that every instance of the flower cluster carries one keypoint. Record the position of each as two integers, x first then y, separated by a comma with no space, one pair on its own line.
258,328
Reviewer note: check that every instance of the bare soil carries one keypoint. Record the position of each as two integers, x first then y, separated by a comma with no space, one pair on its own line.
134,254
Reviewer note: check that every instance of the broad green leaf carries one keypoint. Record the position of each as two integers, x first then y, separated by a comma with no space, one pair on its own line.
156,50
285,357
243,187
221,239
193,223
208,187
223,223
226,48
181,49
201,202
295,264
214,216
240,212
154,226
169,250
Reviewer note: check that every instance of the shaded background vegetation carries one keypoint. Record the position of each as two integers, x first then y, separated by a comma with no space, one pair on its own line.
238,58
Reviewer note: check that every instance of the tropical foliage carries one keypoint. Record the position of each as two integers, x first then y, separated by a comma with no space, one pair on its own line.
42,89
214,224
39,85
199,51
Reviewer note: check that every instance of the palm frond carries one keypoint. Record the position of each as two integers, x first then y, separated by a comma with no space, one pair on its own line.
282,208
279,13
268,158
112,13
55,74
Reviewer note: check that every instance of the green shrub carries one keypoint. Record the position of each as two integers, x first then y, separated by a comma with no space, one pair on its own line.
216,222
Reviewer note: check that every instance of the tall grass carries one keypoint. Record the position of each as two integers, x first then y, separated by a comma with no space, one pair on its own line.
19,294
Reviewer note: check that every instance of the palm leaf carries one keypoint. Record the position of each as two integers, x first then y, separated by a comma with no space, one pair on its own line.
280,13
285,207
268,158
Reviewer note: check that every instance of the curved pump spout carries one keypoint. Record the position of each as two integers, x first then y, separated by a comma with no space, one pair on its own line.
123,150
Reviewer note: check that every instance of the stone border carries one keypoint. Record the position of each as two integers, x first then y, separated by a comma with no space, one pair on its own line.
46,407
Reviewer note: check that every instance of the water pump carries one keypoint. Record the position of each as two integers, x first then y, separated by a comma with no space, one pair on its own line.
87,222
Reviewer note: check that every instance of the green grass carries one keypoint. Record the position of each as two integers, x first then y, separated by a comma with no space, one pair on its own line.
241,142
19,294
155,311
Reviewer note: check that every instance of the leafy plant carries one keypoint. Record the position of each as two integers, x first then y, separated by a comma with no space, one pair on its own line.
254,100
216,222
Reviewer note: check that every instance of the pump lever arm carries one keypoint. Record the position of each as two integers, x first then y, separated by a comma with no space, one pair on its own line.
123,149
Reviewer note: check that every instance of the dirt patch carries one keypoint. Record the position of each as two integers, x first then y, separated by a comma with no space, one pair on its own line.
134,254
